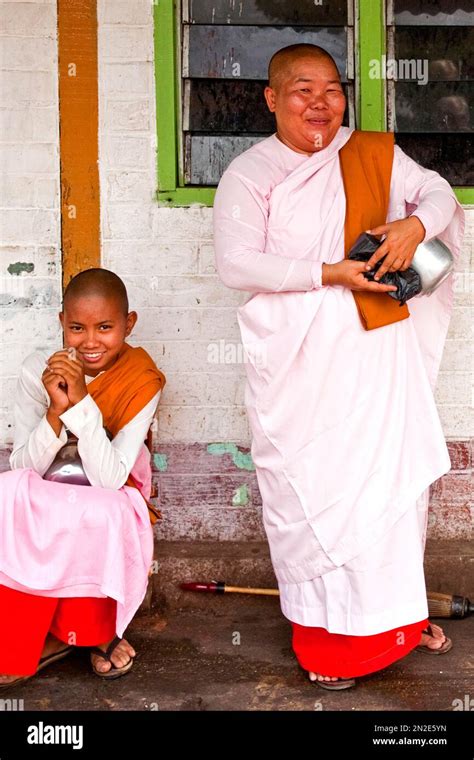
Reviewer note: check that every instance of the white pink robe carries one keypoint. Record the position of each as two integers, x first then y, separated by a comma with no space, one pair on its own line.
346,437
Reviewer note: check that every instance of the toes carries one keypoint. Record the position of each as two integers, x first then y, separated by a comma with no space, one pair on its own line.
100,664
121,656
128,648
319,677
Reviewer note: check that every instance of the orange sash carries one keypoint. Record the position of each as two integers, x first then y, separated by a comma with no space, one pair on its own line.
366,165
122,391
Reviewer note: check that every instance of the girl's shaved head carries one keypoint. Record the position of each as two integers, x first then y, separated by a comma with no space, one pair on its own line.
281,61
97,282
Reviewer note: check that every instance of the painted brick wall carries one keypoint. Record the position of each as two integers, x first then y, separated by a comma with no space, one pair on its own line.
206,483
30,274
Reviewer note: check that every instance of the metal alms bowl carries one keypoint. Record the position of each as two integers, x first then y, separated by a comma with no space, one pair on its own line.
433,261
67,465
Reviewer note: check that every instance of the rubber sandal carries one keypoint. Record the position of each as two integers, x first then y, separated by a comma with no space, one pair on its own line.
341,683
106,655
445,647
43,663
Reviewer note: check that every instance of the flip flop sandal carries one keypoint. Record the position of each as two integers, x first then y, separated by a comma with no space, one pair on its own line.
106,655
445,647
43,663
341,683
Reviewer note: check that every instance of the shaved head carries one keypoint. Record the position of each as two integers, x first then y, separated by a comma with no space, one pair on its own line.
306,95
97,282
282,60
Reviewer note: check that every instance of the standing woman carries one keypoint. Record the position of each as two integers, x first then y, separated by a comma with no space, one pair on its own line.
346,437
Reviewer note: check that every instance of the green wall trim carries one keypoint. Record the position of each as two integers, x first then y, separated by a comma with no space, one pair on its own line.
184,196
371,44
465,195
166,93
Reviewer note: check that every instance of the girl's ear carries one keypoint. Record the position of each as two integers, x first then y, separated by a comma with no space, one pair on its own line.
131,322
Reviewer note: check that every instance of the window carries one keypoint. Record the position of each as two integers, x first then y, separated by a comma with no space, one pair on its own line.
226,47
211,61
430,84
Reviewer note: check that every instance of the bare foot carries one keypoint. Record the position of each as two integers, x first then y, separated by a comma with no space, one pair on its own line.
433,642
51,645
120,656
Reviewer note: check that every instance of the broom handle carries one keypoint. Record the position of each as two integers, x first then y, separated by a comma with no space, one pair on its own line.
440,605
263,591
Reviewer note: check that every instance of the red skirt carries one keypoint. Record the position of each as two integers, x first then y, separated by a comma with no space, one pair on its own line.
26,620
338,655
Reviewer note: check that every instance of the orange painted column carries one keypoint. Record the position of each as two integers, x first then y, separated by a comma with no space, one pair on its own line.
79,131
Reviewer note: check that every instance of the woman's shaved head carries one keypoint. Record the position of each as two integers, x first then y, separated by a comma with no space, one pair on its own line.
305,93
282,60
97,282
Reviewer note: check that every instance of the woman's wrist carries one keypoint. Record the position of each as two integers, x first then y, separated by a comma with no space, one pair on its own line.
327,276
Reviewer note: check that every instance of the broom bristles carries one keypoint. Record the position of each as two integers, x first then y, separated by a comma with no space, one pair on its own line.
447,605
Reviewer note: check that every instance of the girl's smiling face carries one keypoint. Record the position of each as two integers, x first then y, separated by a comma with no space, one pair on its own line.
96,327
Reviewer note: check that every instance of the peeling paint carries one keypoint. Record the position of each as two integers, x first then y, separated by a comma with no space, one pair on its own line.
241,496
241,460
20,266
161,462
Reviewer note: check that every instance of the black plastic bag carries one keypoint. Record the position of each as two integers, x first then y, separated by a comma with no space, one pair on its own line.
408,282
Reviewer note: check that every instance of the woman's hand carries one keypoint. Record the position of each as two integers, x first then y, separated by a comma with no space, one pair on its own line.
351,274
71,373
399,246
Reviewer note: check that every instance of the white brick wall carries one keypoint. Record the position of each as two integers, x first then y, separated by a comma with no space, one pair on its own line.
164,255
30,265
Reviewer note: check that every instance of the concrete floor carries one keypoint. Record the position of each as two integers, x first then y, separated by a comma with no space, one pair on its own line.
237,656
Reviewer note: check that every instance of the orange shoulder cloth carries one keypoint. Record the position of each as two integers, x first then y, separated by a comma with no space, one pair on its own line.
122,391
366,165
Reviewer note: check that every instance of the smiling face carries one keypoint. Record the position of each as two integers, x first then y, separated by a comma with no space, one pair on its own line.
97,327
309,103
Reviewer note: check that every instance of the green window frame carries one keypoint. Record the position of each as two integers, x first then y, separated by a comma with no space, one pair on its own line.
370,44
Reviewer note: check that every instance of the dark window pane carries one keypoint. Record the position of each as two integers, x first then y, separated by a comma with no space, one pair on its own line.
450,155
243,52
434,12
274,12
209,155
437,107
441,52
223,105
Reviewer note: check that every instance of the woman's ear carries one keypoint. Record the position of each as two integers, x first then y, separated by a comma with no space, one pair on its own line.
269,94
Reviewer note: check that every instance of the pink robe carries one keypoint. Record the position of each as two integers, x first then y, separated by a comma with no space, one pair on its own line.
64,540
346,437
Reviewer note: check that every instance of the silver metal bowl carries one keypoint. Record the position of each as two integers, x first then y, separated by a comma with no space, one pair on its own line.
433,261
67,465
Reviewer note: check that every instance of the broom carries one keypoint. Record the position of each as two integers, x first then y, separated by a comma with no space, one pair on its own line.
439,605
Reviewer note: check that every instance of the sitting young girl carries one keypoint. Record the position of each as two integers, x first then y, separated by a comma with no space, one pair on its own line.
75,559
